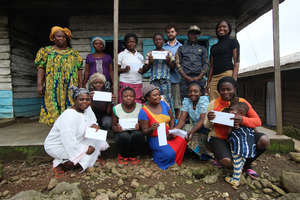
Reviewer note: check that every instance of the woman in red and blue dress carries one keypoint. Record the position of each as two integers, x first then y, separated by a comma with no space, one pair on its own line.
153,113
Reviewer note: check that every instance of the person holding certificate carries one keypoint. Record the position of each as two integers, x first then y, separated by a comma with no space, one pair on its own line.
125,124
155,120
130,63
218,134
102,109
66,142
194,106
160,61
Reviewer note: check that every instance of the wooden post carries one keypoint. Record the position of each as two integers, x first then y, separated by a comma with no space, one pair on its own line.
116,39
277,73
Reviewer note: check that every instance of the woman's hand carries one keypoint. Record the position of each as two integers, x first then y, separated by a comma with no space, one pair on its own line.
127,69
170,137
137,127
154,126
238,119
211,115
40,90
90,150
95,126
151,60
140,70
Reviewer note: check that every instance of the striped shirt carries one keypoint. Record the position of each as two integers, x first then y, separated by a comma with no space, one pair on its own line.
160,69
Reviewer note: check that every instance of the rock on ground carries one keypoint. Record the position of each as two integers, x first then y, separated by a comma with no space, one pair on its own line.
295,156
62,191
290,196
290,181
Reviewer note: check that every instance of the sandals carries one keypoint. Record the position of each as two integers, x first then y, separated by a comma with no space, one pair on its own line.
58,173
217,164
134,160
122,160
102,162
252,173
232,182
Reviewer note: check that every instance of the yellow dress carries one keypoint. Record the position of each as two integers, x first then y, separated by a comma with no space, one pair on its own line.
61,67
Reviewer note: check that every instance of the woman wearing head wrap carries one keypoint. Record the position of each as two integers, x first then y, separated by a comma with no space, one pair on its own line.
224,58
59,67
101,109
98,61
66,142
157,113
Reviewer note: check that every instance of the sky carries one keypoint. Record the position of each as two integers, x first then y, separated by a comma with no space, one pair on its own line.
256,40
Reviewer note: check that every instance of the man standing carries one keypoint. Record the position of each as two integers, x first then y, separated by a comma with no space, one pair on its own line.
191,61
172,45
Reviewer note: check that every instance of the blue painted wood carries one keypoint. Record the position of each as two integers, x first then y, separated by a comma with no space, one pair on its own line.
6,115
106,38
27,107
6,104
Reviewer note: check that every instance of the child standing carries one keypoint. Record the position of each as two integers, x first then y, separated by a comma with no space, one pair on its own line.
161,69
242,144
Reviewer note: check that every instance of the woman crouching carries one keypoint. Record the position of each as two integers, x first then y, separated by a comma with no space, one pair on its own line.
66,142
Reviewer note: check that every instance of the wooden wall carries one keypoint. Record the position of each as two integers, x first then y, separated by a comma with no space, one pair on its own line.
254,90
85,27
6,96
23,48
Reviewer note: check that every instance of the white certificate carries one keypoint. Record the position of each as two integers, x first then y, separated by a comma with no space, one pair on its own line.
178,132
91,133
160,55
162,135
128,124
134,67
102,96
223,118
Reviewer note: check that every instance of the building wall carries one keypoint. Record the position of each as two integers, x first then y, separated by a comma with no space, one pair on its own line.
6,94
254,90
23,48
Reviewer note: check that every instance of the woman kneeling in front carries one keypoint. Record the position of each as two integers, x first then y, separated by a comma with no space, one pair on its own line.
66,142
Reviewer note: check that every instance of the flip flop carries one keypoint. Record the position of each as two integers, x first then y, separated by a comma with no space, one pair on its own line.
134,160
102,162
122,160
232,182
217,164
252,173
58,173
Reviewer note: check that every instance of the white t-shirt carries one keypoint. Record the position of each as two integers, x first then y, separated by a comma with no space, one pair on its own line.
135,61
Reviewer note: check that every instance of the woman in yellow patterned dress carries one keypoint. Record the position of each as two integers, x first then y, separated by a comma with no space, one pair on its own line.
59,67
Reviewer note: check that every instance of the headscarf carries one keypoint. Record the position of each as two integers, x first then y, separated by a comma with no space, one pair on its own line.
94,77
54,29
148,88
78,91
98,38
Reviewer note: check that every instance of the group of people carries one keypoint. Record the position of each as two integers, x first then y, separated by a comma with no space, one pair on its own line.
176,95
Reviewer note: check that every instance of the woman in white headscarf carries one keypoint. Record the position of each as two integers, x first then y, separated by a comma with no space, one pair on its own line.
66,142
98,61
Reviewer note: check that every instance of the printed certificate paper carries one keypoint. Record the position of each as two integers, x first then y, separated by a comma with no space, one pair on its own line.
160,55
223,118
162,135
128,124
91,133
102,96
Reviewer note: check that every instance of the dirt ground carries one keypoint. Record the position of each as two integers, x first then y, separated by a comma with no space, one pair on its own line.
36,174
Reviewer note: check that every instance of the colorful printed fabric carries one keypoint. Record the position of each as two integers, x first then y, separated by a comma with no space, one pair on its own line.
201,107
160,69
242,142
163,156
61,67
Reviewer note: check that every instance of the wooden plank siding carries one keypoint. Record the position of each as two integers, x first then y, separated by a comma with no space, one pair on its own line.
6,94
253,88
26,101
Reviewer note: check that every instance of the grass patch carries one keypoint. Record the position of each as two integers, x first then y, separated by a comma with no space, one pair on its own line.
292,132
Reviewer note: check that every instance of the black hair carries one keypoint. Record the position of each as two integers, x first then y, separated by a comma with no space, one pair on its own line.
156,34
130,35
229,27
241,106
128,89
202,89
169,26
226,79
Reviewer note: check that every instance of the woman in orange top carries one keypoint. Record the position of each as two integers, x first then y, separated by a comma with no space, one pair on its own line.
218,134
